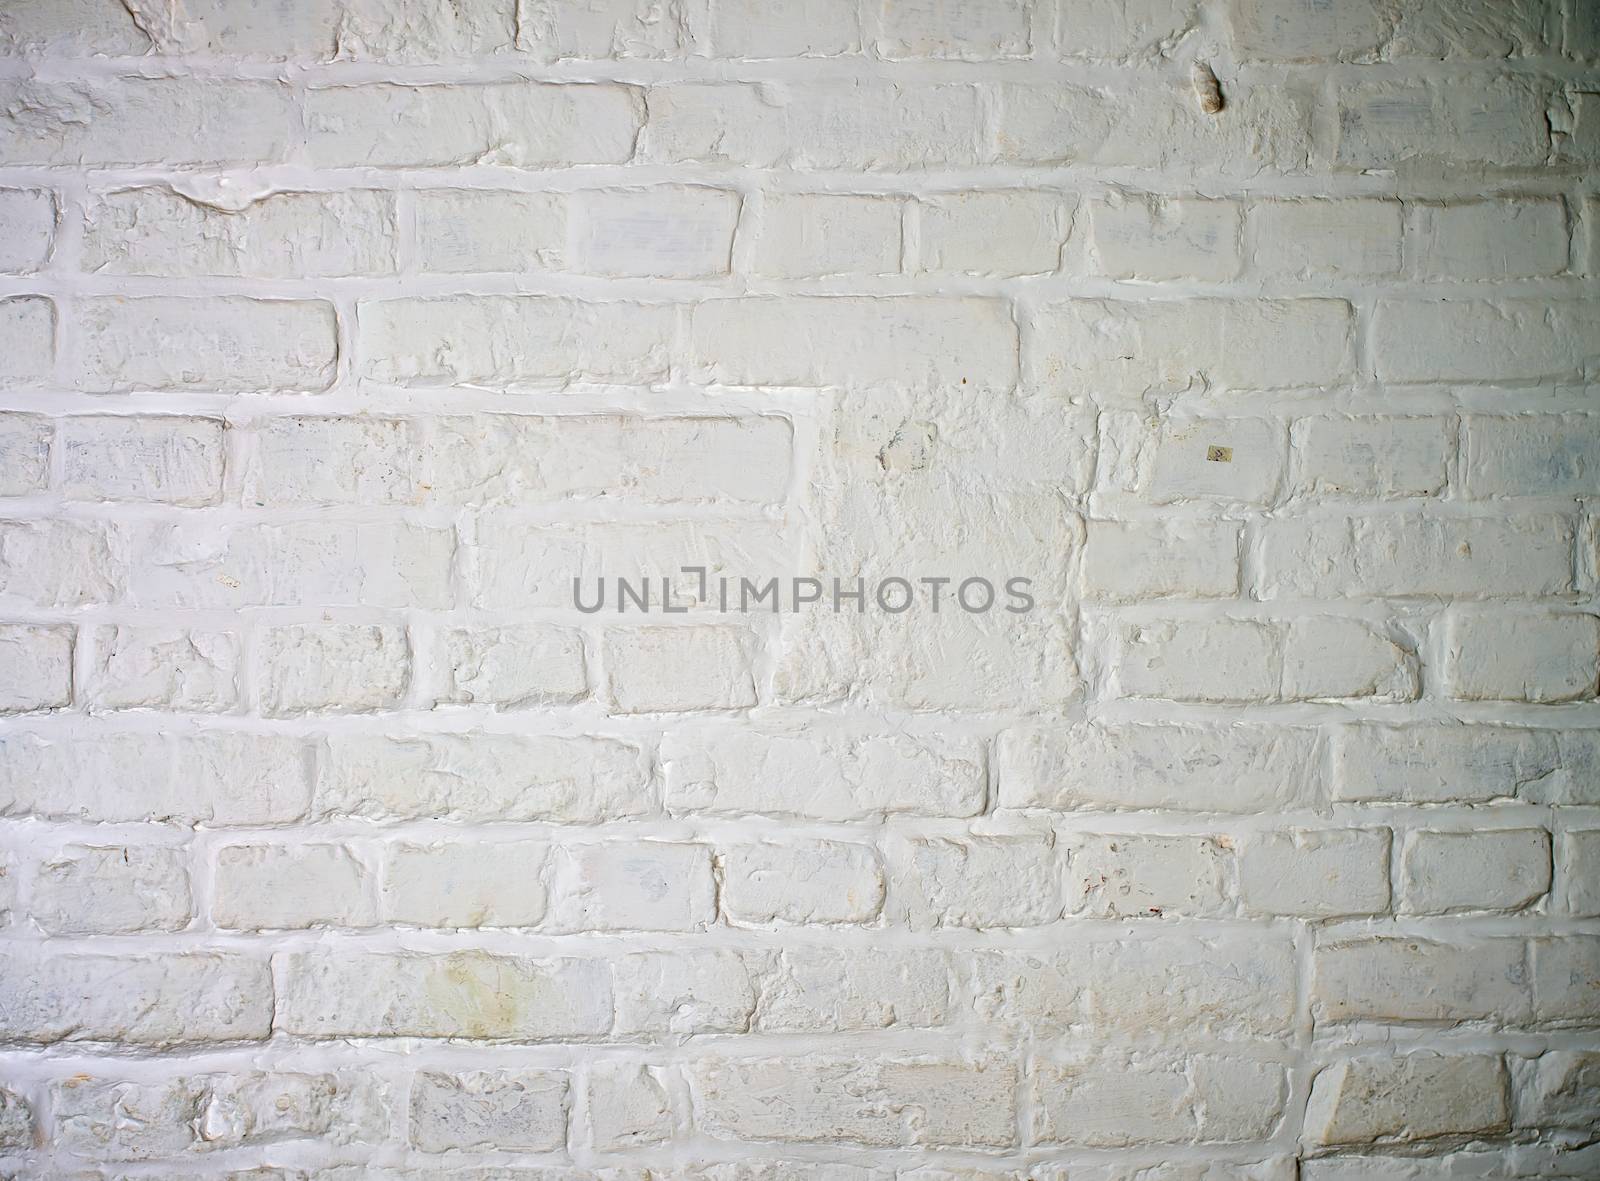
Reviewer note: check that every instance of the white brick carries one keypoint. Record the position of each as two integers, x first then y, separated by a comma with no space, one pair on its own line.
1130,876
1402,979
1001,881
1524,238
1438,763
511,667
1453,123
976,30
670,669
225,343
25,441
821,775
629,1105
283,886
1411,1097
1366,30
59,564
642,886
1123,28
359,29
857,1101
817,990
470,230
111,890
1174,460
1130,560
517,124
898,342
1475,340
1152,238
1501,869
35,667
1229,660
1522,657
1316,873
800,882
1557,1090
340,668
27,339
1580,872
805,235
809,28
493,1110
1531,455
1371,457
27,230
1329,659
154,231
1240,768
1565,971
163,668
504,339
601,29
70,28
1310,239
998,233
1121,348
465,884
168,459
693,990
670,233
334,461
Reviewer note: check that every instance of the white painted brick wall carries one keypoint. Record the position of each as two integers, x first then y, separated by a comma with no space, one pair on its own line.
338,336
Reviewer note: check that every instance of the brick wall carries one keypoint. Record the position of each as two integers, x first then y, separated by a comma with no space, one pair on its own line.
337,337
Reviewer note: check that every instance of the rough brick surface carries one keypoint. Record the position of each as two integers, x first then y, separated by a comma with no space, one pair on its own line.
500,502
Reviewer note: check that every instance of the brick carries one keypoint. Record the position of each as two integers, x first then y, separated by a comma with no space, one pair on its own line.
16,1122
1405,979
511,667
1130,876
1521,657
979,882
669,233
111,890
1483,240
1120,348
1132,560
1566,978
1119,29
1152,238
620,29
1557,1090
688,991
1467,557
343,668
1177,460
1310,239
356,460
168,459
464,994
1316,874
164,122
907,341
1367,30
475,230
1231,660
406,30
644,885
629,1104
1371,456
506,339
465,884
221,343
27,230
280,886
818,990
821,775
59,564
27,339
1500,869
1240,768
989,30
70,28
672,669
35,668
859,126
1579,860
1530,455
811,28
189,670
495,1110
144,1000
1113,1101
800,882
518,124
25,442
157,231
194,564
1329,659
808,235
1410,1097
1494,122
1476,340
1440,763
855,1100
995,233
485,777
220,778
